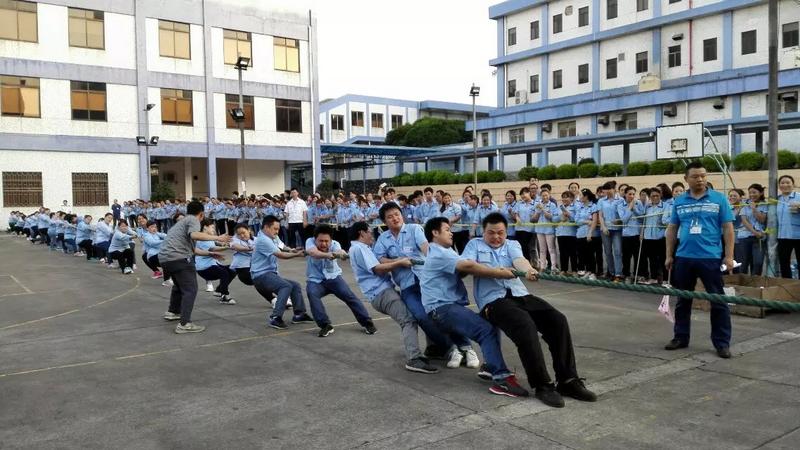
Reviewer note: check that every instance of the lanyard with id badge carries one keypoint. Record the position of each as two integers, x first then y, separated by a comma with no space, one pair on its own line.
695,227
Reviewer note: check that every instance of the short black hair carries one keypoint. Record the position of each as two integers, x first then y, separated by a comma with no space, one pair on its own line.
388,206
122,222
494,218
693,165
269,219
240,226
194,208
323,229
356,229
434,224
150,223
428,189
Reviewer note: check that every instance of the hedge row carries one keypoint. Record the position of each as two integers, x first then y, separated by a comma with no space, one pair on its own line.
440,177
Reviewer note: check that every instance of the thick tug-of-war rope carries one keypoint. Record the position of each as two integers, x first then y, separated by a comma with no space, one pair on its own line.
660,290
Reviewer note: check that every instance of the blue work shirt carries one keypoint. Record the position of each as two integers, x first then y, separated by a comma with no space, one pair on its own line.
469,217
632,224
84,232
426,211
487,290
264,259
152,243
507,211
525,211
344,215
241,259
103,232
653,228
69,231
567,230
709,212
481,213
453,213
319,270
408,243
204,262
362,261
610,212
121,241
408,213
583,217
788,221
439,282
552,208
748,213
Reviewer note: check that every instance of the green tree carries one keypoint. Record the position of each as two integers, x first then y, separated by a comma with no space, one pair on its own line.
638,168
587,170
430,132
527,172
610,170
748,161
786,159
162,191
547,172
398,135
661,167
566,171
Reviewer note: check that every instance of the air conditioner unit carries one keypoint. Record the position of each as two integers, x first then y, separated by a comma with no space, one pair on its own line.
568,10
521,97
677,37
617,118
787,96
621,57
603,120
671,110
547,127
719,103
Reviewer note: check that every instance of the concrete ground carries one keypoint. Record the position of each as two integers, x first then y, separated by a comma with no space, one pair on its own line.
87,362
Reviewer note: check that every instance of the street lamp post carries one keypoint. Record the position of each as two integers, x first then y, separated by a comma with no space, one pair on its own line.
144,141
474,91
242,62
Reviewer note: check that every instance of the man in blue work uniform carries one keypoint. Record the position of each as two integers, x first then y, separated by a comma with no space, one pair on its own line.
701,215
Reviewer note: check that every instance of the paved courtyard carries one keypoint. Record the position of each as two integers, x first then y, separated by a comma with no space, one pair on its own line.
87,362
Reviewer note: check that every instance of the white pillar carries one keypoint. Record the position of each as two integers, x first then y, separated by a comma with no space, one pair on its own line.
188,178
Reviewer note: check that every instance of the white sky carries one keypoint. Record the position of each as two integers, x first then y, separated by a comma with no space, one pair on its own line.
408,49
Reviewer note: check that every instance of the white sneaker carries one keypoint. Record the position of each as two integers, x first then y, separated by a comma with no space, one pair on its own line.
272,303
189,328
134,267
472,358
171,316
227,300
217,294
581,273
456,357
169,283
127,271
288,303
209,287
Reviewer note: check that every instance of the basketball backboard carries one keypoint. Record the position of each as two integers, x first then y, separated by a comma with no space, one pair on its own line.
679,141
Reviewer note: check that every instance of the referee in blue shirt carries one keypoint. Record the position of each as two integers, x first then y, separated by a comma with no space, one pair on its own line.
699,217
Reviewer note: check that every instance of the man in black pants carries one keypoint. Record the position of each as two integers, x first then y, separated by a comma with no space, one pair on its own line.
177,260
508,305
297,218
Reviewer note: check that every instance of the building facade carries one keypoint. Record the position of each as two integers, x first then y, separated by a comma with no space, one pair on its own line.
81,79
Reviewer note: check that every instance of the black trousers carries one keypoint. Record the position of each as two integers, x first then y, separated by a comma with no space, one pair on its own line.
630,250
218,272
221,226
231,227
524,239
184,291
124,257
86,246
522,319
785,248
342,236
586,260
568,253
655,251
460,240
151,262
244,275
294,229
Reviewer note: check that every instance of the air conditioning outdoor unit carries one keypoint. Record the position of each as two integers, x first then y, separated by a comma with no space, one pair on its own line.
788,96
521,97
603,120
617,118
568,10
719,103
671,110
547,127
621,57
677,37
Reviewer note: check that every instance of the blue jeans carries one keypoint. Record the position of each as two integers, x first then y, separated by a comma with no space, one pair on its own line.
685,272
749,252
612,247
339,288
283,288
70,245
459,320
412,298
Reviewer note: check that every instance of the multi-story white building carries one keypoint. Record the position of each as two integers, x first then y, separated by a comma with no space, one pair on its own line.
81,79
595,78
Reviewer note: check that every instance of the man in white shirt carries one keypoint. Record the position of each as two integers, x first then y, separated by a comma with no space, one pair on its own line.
297,218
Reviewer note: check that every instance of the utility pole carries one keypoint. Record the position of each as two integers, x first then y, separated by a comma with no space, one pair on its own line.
474,91
772,115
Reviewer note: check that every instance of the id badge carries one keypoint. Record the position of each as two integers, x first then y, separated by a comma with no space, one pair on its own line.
407,250
696,229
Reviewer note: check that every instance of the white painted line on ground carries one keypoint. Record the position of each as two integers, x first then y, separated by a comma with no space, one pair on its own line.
20,284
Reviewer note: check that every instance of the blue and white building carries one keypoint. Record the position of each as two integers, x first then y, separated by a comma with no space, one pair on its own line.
81,79
595,78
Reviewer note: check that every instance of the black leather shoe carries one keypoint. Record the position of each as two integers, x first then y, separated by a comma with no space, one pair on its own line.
548,395
724,352
676,344
577,390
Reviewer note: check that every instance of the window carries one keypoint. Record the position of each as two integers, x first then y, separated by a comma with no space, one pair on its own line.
749,42
337,122
397,121
173,40
674,1
86,28
534,84
515,135
710,49
235,44
22,189
535,30
176,107
287,54
357,118
557,80
232,102
628,122
611,9
674,56
791,34
583,16
484,139
642,5
18,21
88,101
558,24
787,102
641,62
583,73
376,120
611,68
90,189
289,117
20,97
567,129
512,36
512,88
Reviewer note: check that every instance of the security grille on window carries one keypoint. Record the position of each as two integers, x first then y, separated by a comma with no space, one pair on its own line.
512,88
749,42
567,129
535,30
516,135
512,36
628,122
397,121
710,49
174,39
484,139
611,9
18,21
674,56
20,96
791,34
377,120
86,28
641,62
611,68
232,102
788,102
558,24
176,107
557,79
287,54
22,189
357,118
583,74
88,100
583,16
534,84
90,189
289,116
337,122
642,5
235,44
